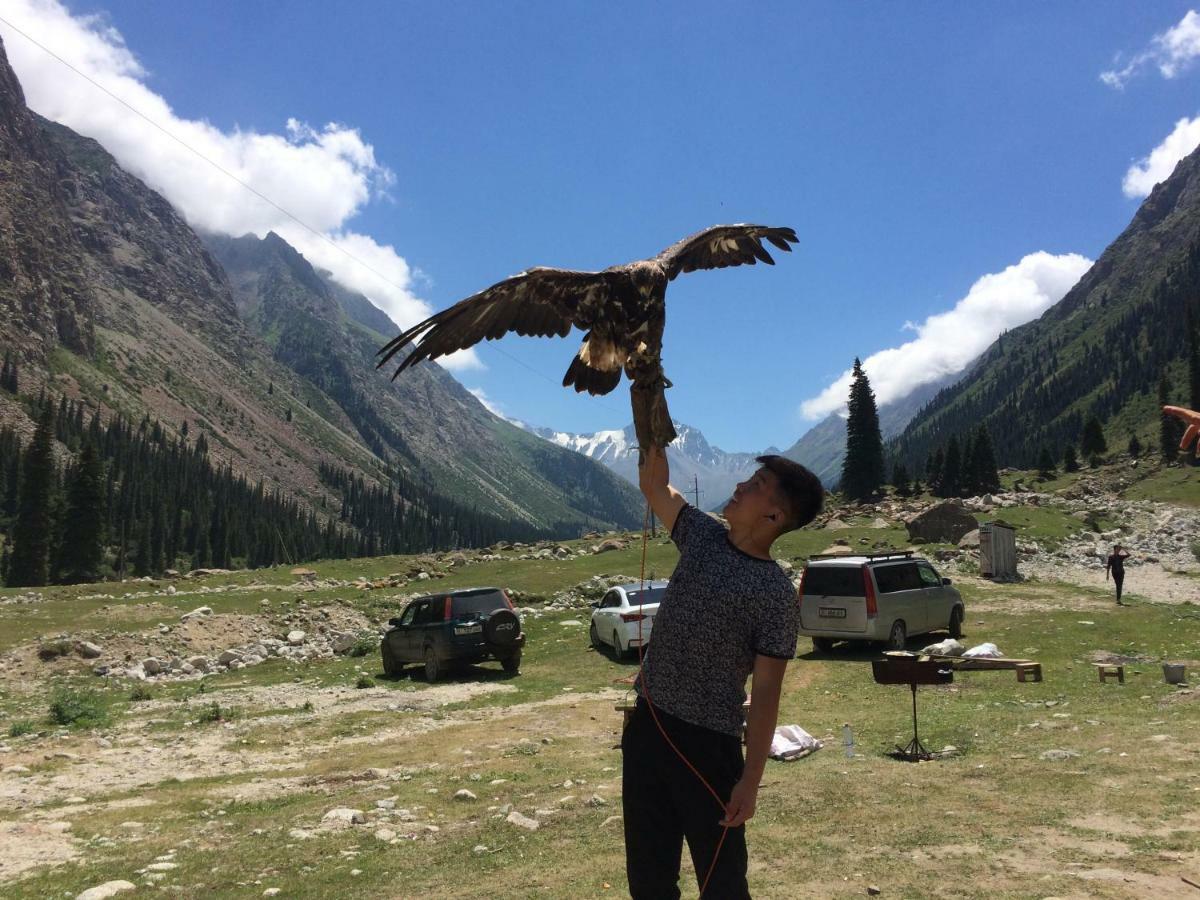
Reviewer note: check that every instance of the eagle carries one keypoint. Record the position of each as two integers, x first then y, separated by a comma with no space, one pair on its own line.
621,309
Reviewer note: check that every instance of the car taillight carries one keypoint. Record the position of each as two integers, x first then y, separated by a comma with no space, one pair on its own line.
869,593
633,617
446,610
800,588
504,594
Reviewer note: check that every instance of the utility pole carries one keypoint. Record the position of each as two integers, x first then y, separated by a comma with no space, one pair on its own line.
695,491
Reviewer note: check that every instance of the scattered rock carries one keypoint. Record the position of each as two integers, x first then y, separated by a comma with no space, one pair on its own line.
1057,755
596,801
88,650
270,892
515,818
151,665
108,889
385,834
296,638
464,794
947,522
198,613
611,820
342,817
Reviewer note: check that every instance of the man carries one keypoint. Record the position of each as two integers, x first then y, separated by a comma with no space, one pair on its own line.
1116,565
729,611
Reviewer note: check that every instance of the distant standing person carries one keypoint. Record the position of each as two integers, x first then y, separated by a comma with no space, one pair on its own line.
1116,565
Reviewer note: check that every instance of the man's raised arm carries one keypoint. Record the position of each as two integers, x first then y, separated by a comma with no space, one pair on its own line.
654,475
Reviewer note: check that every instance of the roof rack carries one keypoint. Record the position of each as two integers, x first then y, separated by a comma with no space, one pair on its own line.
899,554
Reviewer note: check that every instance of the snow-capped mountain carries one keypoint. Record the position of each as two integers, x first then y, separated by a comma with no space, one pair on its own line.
694,461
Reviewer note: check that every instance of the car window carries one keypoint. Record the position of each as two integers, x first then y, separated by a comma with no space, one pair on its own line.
649,595
477,603
929,578
897,577
611,599
407,618
834,581
428,612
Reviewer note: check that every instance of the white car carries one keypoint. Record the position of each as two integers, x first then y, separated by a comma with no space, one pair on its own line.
625,616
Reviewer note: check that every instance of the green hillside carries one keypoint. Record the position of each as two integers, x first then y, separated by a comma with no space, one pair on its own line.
1100,351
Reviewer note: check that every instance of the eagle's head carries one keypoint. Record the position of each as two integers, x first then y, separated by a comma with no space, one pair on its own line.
647,276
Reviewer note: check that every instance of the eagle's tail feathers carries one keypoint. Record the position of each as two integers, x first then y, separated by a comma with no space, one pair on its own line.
583,377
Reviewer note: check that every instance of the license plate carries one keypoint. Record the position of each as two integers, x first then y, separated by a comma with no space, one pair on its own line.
831,612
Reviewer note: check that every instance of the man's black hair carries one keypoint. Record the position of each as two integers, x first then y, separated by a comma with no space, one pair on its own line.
800,490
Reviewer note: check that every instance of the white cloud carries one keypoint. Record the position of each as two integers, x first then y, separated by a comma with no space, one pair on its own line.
489,404
1144,174
948,341
322,176
1171,52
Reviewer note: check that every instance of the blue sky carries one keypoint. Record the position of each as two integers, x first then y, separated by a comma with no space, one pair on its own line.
915,148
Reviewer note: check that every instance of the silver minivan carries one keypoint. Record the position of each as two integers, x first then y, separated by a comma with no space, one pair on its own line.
881,597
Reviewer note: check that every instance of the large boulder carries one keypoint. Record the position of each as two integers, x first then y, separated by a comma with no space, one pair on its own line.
947,522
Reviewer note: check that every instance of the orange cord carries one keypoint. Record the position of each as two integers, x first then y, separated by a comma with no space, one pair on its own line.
654,715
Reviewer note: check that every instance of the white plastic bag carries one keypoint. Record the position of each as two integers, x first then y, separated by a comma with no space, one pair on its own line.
792,742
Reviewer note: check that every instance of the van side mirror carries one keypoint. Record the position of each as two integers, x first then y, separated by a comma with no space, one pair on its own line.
945,582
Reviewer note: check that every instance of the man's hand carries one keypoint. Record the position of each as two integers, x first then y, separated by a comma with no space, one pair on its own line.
1191,419
742,802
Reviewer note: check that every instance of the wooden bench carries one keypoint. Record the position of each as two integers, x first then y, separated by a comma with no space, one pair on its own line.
1110,670
1026,669
1029,671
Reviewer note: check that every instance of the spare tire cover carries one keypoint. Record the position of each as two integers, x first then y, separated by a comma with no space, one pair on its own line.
502,627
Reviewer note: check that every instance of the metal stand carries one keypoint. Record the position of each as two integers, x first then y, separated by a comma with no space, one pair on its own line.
914,751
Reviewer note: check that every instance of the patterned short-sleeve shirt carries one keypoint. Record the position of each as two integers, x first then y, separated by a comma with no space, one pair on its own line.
722,608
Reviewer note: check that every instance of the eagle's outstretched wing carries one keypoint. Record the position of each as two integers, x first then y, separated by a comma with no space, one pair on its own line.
539,302
724,245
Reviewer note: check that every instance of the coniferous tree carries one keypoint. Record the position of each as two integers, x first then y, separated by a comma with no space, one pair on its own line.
951,484
1046,467
984,475
863,466
82,551
1092,444
933,471
1169,434
1135,446
900,480
34,527
1070,461
1193,328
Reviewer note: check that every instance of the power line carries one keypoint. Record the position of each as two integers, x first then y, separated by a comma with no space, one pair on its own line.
322,236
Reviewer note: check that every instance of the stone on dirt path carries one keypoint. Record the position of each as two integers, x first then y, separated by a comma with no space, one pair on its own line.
108,889
343,817
515,818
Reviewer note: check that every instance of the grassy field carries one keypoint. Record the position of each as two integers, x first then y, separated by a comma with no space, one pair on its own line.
214,798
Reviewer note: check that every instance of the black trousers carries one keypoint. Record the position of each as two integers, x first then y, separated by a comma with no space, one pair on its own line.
1119,579
664,803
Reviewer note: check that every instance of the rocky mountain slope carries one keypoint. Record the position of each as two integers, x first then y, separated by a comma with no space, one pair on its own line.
694,461
106,294
1100,351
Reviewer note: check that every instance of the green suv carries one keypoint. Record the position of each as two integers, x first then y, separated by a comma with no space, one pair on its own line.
443,630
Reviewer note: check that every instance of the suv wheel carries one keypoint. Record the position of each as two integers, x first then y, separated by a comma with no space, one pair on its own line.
898,637
433,665
512,664
822,645
956,617
502,628
595,636
391,665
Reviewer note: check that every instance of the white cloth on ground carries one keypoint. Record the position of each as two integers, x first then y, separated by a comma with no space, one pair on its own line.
986,651
792,742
